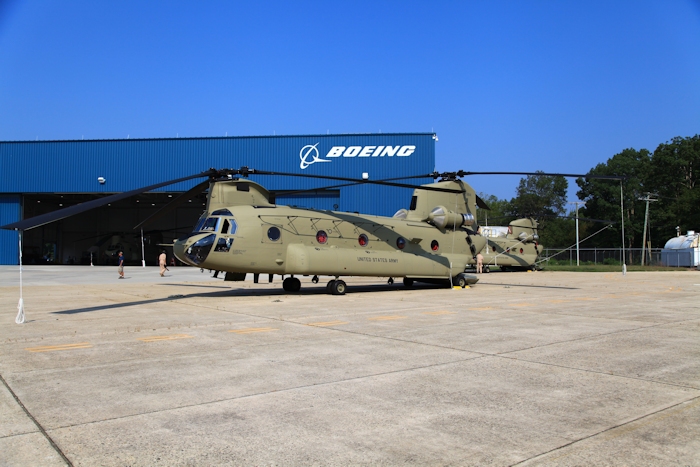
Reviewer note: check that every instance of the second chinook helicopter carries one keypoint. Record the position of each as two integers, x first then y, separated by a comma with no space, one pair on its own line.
514,247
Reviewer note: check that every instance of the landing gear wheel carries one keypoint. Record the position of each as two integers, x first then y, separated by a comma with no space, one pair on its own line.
338,287
459,281
407,282
329,286
486,269
291,284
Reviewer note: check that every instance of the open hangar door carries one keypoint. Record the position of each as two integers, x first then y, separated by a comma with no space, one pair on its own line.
96,236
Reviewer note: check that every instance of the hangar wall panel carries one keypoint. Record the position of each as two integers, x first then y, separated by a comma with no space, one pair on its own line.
10,209
74,166
68,167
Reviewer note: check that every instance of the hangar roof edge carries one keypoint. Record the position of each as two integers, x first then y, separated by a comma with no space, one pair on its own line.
215,137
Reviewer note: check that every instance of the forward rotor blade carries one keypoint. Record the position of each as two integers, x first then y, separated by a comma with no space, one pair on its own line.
189,194
355,180
481,203
43,219
330,187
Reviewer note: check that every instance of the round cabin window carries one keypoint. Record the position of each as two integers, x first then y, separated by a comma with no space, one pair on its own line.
434,245
273,233
401,243
363,240
321,237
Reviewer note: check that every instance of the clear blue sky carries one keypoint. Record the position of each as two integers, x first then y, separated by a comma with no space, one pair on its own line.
506,85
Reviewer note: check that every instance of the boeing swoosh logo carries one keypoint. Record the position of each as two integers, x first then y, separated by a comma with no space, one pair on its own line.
309,155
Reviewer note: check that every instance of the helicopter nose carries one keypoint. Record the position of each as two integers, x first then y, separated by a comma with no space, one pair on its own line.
179,250
193,250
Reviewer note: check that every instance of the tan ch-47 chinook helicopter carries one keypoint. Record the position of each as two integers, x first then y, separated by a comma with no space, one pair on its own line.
242,231
514,247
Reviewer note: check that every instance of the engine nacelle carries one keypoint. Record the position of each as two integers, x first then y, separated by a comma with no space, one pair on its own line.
525,238
441,217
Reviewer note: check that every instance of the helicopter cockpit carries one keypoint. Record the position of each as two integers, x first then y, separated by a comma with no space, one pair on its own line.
219,222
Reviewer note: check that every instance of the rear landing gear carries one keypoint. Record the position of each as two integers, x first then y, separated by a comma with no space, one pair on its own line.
291,284
336,287
459,281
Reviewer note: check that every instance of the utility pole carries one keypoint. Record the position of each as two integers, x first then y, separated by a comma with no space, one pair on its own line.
577,203
648,199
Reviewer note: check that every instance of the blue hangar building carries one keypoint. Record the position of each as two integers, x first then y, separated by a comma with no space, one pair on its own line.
37,177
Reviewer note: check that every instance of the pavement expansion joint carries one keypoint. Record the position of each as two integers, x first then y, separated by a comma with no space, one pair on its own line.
273,391
694,401
593,336
36,423
588,370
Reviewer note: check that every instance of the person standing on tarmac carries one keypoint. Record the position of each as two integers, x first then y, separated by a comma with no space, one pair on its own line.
162,260
479,263
121,265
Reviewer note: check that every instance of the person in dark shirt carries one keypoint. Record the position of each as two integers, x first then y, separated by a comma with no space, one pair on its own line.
121,265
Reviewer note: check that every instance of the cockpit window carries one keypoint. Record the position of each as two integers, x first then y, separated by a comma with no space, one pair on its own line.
213,224
199,223
229,226
222,212
210,225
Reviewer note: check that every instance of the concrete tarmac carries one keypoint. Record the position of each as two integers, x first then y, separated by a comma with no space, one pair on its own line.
544,368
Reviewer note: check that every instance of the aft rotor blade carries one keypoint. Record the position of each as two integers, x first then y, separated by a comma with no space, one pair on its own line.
462,173
189,194
587,219
356,180
43,219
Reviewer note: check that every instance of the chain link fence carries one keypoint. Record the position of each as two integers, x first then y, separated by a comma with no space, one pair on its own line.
612,256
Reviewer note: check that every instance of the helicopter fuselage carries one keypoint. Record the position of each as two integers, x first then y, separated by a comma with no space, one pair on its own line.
288,240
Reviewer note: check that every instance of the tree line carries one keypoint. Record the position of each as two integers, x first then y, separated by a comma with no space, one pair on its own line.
668,175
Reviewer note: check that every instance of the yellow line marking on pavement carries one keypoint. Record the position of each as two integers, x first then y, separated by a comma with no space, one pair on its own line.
584,299
385,318
328,323
252,330
52,348
438,313
164,338
557,301
522,304
483,308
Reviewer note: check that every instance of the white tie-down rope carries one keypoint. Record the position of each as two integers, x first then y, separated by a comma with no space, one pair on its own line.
572,246
20,306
